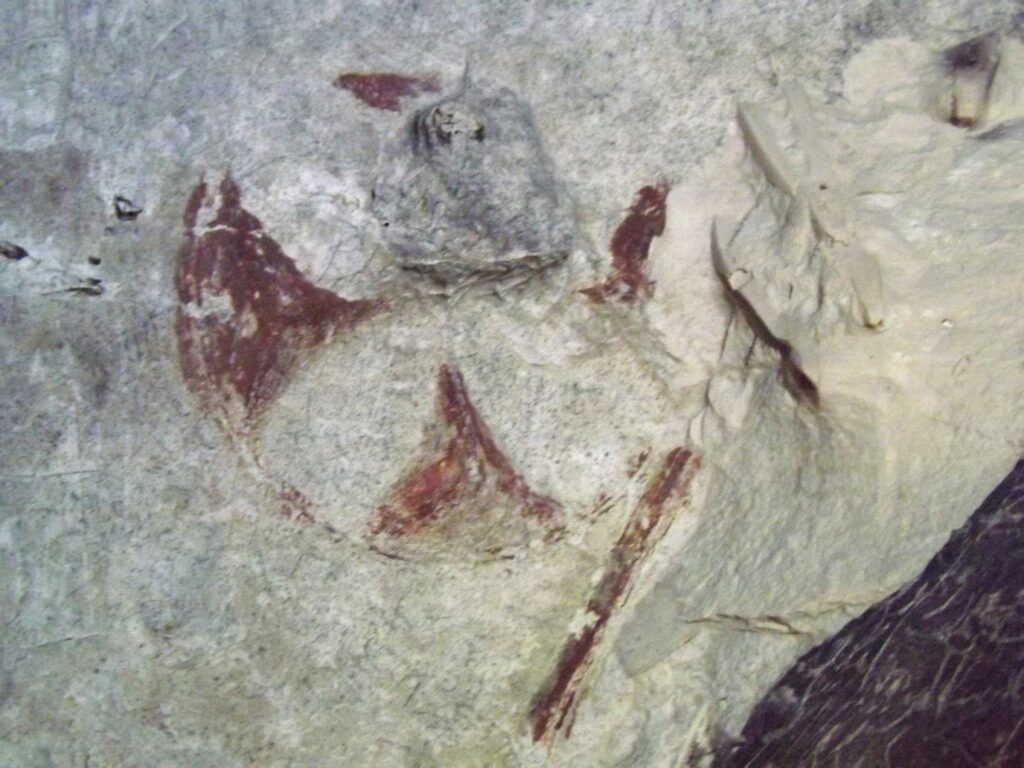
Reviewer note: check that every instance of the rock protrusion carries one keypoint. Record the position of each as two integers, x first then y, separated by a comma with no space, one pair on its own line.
471,195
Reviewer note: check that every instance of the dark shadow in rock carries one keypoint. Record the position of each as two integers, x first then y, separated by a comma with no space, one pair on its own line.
125,209
931,676
12,251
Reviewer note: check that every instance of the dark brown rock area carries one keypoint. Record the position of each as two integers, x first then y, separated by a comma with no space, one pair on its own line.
931,676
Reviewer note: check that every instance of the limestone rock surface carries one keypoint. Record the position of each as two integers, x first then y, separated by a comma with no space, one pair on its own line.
501,384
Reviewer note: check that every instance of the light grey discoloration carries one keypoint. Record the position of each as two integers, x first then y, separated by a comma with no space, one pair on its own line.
470,193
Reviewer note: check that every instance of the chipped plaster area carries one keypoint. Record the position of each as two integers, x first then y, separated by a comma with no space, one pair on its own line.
180,588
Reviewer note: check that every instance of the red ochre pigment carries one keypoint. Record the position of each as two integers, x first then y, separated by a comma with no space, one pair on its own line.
630,246
265,313
554,707
385,90
470,458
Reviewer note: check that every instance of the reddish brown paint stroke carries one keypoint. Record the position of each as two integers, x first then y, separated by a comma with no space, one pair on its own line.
299,508
471,458
553,710
385,90
246,313
630,246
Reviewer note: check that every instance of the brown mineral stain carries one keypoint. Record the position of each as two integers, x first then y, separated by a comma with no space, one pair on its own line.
603,504
630,246
246,313
470,460
645,527
385,90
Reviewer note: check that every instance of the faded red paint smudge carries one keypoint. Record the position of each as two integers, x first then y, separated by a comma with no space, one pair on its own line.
630,246
246,313
553,709
793,378
470,459
295,505
299,508
637,463
385,90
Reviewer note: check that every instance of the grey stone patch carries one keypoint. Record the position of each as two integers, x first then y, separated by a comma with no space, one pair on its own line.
469,194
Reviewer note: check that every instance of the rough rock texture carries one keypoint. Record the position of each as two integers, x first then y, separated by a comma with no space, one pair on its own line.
531,384
470,193
929,676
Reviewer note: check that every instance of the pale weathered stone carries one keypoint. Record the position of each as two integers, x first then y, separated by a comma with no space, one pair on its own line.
484,384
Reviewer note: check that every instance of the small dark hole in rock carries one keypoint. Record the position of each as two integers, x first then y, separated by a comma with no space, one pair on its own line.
125,209
970,53
94,260
11,251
